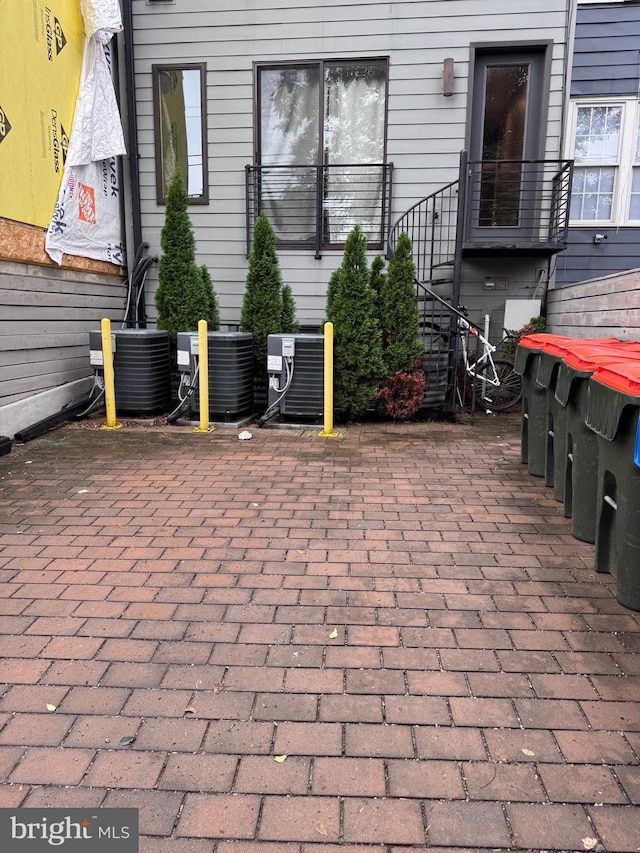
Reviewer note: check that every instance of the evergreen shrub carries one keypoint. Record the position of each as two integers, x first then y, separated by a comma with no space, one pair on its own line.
267,305
358,364
182,297
402,392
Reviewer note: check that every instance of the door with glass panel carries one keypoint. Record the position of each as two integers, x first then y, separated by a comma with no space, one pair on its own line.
321,149
505,142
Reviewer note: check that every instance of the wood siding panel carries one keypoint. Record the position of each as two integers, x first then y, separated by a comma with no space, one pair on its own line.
45,318
599,308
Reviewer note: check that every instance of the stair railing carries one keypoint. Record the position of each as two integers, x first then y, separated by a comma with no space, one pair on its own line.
431,225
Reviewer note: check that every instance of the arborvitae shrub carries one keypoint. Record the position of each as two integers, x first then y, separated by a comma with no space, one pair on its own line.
402,391
331,289
181,298
262,307
377,276
398,311
358,365
212,316
288,322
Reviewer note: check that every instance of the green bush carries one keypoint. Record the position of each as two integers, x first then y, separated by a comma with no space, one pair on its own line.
262,305
331,289
377,276
535,325
358,364
288,322
212,316
398,311
181,298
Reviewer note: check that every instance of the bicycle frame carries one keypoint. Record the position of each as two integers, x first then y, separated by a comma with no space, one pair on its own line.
487,356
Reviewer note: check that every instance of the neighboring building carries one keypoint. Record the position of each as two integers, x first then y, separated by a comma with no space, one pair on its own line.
603,135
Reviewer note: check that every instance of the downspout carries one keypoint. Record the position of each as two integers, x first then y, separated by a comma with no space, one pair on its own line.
570,26
134,166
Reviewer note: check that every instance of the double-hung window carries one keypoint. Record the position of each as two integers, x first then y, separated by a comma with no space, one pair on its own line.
605,145
320,150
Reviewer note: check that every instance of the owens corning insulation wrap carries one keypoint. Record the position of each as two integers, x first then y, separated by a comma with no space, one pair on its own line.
86,220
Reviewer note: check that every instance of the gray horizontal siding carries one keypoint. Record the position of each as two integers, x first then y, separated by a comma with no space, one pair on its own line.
606,50
425,131
600,308
45,317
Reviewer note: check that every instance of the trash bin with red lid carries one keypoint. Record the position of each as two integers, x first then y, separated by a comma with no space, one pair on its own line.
551,357
578,468
613,409
533,426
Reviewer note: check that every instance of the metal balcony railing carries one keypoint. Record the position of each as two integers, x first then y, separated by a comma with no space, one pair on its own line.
517,205
318,206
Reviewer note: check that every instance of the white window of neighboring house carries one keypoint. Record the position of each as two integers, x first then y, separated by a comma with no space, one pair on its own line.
322,132
605,146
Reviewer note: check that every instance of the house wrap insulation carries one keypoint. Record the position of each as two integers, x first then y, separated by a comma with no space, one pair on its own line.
87,217
41,50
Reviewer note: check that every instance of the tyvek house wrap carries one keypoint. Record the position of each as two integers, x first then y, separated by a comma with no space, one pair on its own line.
86,220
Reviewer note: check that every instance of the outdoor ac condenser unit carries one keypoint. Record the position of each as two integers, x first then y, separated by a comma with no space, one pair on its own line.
295,366
141,368
230,365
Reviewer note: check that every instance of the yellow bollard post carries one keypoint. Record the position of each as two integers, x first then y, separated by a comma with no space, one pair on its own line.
203,377
109,380
328,431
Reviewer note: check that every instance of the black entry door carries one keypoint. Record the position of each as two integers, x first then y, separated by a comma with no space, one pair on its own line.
508,99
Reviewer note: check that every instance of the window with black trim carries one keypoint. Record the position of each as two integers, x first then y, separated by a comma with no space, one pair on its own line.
180,118
321,150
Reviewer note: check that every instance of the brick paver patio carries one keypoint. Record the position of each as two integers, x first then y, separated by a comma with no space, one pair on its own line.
399,615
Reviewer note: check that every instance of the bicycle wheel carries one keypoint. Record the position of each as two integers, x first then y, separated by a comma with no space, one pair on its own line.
497,398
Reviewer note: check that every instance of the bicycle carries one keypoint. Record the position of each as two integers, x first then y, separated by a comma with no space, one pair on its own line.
494,382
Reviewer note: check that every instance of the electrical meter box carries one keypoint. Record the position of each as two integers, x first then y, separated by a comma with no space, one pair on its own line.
295,367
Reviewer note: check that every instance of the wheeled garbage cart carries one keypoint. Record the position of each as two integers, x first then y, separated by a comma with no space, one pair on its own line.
613,409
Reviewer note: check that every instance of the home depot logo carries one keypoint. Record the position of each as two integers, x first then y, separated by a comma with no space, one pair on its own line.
5,126
55,34
86,204
59,141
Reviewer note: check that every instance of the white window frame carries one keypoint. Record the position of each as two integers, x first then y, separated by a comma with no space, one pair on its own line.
624,164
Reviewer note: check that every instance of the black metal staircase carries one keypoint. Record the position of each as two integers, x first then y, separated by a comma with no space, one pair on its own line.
493,209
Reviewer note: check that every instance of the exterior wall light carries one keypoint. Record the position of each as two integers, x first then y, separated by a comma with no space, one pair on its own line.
448,77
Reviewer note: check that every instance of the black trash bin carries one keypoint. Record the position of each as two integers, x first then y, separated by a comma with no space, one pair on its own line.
579,467
555,429
613,409
532,435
